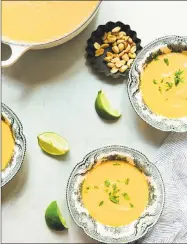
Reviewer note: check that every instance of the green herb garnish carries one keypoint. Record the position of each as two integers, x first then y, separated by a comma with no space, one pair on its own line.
155,82
116,164
178,78
107,183
131,205
170,85
88,188
114,199
115,189
162,81
96,187
101,203
126,196
160,89
155,56
166,61
114,186
127,181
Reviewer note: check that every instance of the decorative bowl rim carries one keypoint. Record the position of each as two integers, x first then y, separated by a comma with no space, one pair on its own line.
17,123
132,70
115,147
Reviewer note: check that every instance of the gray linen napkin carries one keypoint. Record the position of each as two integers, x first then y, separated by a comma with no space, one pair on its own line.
171,160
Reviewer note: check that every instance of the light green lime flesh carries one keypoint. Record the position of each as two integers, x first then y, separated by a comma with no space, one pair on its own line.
53,143
104,109
53,217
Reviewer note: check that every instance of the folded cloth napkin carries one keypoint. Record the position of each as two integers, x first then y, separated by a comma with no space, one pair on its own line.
171,161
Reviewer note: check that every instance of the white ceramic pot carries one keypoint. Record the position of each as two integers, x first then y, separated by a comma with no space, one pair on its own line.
18,49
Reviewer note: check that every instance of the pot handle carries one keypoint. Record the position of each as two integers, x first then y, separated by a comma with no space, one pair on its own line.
17,52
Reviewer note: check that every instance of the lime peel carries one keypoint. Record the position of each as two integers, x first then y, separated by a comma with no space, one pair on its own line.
53,143
104,109
54,218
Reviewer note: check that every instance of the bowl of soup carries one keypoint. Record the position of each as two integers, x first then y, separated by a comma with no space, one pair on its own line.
157,85
116,195
13,144
43,24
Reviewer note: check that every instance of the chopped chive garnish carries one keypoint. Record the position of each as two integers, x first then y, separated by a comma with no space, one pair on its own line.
131,205
155,56
170,85
88,188
96,187
162,81
178,78
160,89
126,196
166,61
101,203
114,199
116,164
107,183
115,191
114,186
155,82
127,181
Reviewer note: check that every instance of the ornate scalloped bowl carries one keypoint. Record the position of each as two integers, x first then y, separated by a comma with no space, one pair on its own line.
176,44
20,144
108,234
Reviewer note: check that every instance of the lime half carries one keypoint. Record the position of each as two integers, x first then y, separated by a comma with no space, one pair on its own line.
52,143
104,109
53,217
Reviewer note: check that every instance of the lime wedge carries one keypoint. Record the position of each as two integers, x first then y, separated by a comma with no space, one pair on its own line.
104,109
52,143
53,217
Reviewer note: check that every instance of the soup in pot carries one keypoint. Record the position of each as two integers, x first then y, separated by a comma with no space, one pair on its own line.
43,21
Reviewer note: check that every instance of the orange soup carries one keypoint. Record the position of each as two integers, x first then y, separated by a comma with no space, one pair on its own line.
115,193
7,144
43,21
164,85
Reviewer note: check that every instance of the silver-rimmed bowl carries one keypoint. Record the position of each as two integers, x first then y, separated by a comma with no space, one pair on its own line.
20,144
108,234
176,44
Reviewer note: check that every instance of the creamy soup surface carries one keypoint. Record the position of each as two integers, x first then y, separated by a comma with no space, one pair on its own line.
164,85
115,193
42,21
7,144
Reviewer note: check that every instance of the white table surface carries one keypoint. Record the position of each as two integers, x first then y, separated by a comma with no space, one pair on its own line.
53,90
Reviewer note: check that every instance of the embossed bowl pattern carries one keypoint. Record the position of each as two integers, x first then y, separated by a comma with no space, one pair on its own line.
174,43
20,144
108,234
